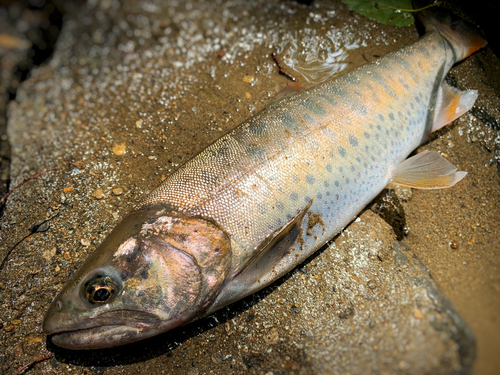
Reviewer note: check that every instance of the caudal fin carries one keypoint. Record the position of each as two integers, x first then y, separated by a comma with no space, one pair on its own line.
463,36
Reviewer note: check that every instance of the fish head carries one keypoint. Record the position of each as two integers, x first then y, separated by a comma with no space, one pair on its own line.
154,272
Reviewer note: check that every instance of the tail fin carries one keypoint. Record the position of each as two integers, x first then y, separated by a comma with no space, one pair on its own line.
463,36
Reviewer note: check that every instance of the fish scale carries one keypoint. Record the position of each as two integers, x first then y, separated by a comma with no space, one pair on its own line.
265,196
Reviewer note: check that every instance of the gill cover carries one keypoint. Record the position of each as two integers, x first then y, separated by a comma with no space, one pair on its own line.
154,272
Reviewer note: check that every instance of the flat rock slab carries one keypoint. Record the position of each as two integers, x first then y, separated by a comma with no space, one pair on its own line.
133,92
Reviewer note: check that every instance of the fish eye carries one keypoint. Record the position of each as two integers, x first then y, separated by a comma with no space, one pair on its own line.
99,288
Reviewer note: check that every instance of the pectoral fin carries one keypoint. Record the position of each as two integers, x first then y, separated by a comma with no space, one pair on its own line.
273,249
427,170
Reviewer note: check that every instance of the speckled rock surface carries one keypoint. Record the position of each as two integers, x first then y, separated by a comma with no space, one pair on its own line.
134,91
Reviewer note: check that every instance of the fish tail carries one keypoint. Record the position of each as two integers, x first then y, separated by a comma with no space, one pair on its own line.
464,37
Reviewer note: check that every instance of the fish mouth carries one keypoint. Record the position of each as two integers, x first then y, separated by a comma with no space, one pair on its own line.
104,331
101,337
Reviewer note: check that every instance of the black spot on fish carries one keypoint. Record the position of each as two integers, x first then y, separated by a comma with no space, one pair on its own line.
144,274
342,152
353,140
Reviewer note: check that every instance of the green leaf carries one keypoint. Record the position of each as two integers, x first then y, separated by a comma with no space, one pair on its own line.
389,12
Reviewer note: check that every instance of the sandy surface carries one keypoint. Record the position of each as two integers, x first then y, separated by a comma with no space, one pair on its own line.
133,92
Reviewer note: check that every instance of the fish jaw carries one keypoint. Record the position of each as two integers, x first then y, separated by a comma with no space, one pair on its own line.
154,272
107,331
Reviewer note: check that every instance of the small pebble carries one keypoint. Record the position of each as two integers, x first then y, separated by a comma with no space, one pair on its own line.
98,194
371,284
418,314
138,124
119,148
49,254
248,79
117,191
85,242
454,244
216,358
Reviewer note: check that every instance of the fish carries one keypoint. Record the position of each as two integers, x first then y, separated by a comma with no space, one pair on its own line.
262,198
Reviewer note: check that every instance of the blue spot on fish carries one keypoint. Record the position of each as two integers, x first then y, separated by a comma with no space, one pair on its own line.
353,140
342,152
294,196
391,116
310,179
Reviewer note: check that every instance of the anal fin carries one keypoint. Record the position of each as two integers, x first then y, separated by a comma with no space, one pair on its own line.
451,104
427,170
